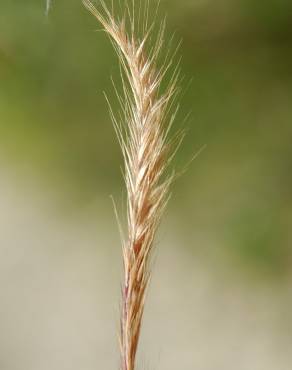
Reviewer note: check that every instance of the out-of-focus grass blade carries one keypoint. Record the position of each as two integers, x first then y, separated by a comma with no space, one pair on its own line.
48,6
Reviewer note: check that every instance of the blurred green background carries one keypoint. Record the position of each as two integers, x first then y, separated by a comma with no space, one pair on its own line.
233,207
238,57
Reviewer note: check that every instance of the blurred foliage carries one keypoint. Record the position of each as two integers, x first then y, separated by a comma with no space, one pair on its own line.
238,57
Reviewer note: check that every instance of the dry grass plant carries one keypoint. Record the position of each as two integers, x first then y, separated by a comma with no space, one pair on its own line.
148,111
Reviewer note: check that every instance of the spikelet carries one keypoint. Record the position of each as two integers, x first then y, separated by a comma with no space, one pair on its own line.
146,150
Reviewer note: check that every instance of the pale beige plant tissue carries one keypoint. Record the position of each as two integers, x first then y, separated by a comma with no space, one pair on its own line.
143,136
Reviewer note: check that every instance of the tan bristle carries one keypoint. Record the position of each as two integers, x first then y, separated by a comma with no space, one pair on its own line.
146,151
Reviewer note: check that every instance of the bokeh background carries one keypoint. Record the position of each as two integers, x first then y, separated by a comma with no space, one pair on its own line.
221,294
